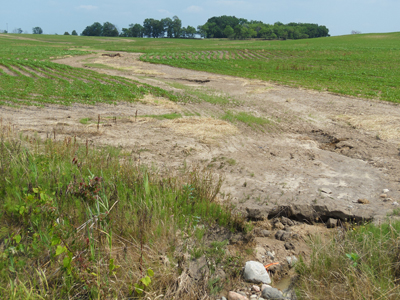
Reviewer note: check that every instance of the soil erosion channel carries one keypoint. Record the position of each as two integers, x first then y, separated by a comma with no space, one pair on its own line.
321,155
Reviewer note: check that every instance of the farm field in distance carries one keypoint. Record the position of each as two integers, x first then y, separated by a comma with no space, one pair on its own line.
160,171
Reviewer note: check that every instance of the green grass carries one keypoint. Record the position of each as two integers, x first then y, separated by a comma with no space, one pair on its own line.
85,121
74,223
246,118
365,65
362,263
170,116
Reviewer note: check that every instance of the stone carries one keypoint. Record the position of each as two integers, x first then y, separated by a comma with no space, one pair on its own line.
265,233
289,246
256,214
363,201
253,297
395,203
198,268
388,199
223,298
385,191
255,288
255,272
271,254
326,191
236,296
282,235
264,286
292,260
272,293
383,196
332,223
287,221
279,226
220,274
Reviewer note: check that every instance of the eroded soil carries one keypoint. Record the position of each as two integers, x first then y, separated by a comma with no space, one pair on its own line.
320,154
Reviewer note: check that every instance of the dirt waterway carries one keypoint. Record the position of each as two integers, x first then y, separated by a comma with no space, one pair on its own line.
316,141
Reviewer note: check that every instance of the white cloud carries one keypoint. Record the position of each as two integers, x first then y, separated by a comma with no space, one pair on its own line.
194,9
164,11
87,7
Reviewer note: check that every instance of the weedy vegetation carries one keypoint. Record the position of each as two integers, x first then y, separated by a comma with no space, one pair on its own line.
78,221
362,263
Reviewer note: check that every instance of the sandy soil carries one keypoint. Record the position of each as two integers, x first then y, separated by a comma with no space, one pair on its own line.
317,141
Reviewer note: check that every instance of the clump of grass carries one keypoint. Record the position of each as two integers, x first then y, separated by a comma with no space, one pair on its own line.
246,118
362,263
170,116
85,121
77,220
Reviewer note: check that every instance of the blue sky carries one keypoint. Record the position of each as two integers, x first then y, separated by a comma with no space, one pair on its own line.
340,16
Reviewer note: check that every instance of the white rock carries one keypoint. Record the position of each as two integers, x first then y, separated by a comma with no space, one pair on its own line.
385,191
395,203
255,272
236,296
256,288
265,286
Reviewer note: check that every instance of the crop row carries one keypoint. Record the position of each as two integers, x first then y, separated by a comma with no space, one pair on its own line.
369,73
30,82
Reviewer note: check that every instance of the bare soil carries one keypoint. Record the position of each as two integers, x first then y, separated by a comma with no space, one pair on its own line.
318,141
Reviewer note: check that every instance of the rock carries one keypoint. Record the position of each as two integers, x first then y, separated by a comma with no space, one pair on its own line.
236,296
265,233
332,223
385,191
256,214
292,260
256,273
282,235
363,201
279,226
271,254
388,199
325,190
264,286
272,293
395,203
220,274
253,297
255,288
198,268
289,246
223,298
383,196
242,293
344,144
287,221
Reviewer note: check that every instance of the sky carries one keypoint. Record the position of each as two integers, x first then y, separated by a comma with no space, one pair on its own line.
339,16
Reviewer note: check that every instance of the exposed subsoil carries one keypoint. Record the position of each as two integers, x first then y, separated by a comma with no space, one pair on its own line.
321,154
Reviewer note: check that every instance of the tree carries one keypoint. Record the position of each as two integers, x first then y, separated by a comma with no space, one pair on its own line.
109,29
96,29
355,32
168,25
37,30
66,33
74,32
17,30
229,32
177,26
190,32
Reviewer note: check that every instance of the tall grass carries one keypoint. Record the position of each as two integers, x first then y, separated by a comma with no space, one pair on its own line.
80,222
362,263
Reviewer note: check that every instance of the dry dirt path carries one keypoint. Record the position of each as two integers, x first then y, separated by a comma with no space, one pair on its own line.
317,141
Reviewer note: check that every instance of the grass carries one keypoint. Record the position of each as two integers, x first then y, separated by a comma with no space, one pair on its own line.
78,221
85,121
246,118
170,116
362,263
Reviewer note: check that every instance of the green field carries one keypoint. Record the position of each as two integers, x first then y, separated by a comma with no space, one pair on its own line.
366,65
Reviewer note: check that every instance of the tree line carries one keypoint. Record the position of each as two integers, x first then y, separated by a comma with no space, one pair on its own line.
235,28
215,27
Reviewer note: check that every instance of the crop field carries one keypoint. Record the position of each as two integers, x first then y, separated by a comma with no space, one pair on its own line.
28,77
365,66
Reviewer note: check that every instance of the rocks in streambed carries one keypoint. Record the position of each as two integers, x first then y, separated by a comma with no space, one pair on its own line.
255,272
283,235
271,293
236,296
